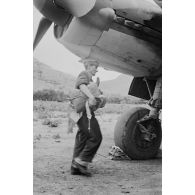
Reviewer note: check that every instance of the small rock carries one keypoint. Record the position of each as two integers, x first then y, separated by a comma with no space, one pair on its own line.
42,190
46,122
37,137
53,124
57,136
125,191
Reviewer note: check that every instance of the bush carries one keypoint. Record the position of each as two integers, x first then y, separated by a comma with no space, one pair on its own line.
50,95
60,96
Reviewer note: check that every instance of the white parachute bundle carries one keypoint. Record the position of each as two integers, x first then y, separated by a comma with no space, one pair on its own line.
78,98
79,103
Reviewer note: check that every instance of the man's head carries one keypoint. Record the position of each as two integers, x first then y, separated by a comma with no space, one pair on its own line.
91,66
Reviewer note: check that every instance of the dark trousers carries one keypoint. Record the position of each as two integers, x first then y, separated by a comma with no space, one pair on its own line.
87,141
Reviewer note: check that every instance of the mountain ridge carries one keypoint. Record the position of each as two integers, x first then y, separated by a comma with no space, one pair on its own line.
45,77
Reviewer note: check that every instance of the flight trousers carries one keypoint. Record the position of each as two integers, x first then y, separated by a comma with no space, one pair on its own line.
87,140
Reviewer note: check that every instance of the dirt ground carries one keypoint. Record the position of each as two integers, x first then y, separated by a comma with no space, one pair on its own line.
53,149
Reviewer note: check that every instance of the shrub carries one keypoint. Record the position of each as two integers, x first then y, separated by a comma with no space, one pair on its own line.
60,96
50,95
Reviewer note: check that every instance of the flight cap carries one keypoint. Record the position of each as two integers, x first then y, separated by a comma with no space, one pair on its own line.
89,62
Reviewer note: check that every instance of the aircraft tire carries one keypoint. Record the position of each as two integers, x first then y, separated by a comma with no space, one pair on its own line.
127,135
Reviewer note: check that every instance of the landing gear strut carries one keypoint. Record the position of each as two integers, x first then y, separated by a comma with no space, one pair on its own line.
138,131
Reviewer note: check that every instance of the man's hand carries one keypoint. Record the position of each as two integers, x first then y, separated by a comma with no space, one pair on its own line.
92,101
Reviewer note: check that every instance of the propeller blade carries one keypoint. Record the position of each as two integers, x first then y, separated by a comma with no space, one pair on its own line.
77,8
50,10
44,25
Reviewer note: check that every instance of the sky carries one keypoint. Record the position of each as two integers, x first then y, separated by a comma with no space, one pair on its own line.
52,53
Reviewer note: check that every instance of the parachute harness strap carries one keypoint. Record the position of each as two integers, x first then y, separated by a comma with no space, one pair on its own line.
88,111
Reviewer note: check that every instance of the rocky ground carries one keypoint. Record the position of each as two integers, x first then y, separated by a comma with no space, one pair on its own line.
53,149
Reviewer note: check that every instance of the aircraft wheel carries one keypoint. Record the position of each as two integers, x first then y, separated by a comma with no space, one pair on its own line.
137,142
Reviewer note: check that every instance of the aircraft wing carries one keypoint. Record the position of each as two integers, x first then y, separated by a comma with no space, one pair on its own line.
123,35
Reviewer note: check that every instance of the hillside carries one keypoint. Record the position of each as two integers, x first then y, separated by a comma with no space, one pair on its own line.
44,77
120,85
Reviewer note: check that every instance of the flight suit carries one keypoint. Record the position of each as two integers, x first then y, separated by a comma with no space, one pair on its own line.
87,139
